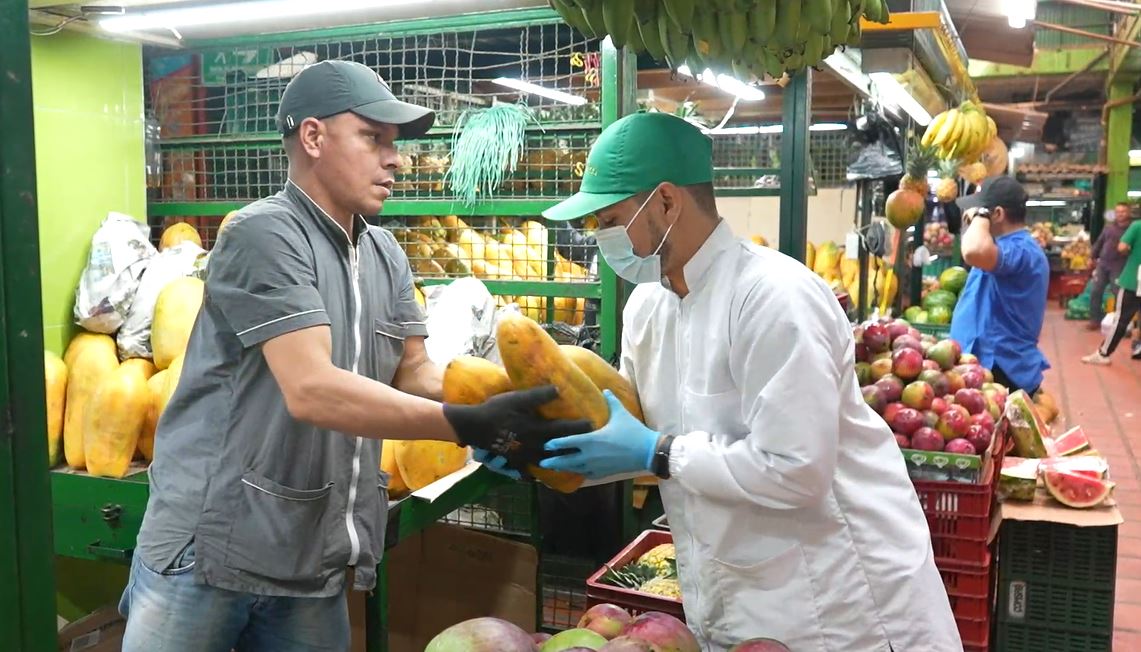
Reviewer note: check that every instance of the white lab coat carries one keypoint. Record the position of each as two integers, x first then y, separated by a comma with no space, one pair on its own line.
789,501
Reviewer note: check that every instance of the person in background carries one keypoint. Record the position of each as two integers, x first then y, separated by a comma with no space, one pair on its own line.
766,451
309,347
1128,298
1000,311
1107,262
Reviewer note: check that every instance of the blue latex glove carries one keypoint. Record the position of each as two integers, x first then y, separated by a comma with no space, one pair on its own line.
623,445
497,463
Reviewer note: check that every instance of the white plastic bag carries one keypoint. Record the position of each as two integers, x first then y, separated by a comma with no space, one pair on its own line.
461,321
134,338
120,252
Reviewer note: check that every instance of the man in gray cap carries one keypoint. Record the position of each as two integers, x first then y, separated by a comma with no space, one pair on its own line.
308,349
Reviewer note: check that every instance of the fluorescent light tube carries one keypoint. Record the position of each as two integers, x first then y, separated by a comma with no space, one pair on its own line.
237,12
895,93
542,91
1134,193
1045,202
726,83
771,129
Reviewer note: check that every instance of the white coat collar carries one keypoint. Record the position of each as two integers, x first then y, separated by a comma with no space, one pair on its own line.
697,268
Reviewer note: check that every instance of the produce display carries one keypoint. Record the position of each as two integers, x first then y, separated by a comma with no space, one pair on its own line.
750,39
604,628
937,238
961,134
939,298
1078,254
103,410
1071,473
935,397
830,263
654,573
447,247
906,205
1043,233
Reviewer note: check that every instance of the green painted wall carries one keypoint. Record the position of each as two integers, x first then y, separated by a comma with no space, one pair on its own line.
88,96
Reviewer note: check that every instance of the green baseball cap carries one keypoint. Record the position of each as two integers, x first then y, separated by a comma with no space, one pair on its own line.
634,155
334,86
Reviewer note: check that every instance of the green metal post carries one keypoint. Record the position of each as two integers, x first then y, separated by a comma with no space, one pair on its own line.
797,109
27,582
1118,137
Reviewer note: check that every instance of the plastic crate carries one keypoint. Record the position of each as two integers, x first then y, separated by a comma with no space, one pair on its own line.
633,601
1057,576
940,331
963,580
975,633
958,510
1011,637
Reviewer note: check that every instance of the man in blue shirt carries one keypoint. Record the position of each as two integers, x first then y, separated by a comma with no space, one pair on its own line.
999,313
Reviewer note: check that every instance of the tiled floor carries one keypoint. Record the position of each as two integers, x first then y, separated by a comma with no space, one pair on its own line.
1106,402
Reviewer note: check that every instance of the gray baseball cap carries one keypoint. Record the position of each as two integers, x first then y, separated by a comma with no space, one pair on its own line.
331,87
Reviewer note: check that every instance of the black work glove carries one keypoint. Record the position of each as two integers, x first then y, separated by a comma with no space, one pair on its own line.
508,424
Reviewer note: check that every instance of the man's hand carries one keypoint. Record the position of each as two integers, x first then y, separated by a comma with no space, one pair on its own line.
623,445
508,425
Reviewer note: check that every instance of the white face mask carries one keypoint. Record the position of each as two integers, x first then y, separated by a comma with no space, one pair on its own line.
616,247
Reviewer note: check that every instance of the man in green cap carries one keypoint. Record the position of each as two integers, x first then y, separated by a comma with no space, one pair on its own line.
308,349
790,505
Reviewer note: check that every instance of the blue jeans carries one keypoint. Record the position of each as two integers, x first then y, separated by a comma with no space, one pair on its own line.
168,611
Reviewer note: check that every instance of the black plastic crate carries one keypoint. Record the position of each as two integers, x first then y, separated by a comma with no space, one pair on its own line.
1012,637
1057,578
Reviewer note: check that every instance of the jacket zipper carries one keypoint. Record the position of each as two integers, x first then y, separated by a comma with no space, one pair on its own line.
354,538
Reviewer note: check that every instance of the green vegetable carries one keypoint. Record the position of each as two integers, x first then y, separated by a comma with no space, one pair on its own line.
486,147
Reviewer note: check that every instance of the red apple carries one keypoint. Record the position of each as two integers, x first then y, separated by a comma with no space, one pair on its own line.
954,381
881,368
953,423
877,338
939,405
979,437
971,399
926,439
903,440
890,411
983,419
918,395
907,363
891,387
907,421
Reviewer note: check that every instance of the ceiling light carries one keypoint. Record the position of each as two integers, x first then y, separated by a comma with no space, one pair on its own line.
892,92
1134,193
1017,152
1045,202
237,12
770,129
542,91
726,83
1135,153
1020,12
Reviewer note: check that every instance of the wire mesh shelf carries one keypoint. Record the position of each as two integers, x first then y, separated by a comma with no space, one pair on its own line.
216,107
753,160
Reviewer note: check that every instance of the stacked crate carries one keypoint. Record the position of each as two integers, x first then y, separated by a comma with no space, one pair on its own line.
959,516
1055,587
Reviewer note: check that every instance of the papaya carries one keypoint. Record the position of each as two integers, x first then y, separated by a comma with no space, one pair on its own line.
178,233
226,220
113,421
470,380
55,393
396,485
532,358
82,340
142,365
156,388
176,310
605,376
423,461
95,361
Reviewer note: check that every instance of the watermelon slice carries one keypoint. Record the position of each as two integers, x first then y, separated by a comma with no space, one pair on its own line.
1070,442
1026,426
1077,490
1087,465
1018,479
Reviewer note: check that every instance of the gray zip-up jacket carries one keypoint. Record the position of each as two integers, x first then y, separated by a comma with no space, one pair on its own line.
273,505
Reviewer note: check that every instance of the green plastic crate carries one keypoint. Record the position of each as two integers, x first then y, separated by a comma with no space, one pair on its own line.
937,330
1056,586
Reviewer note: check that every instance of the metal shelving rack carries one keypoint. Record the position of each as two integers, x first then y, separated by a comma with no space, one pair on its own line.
98,518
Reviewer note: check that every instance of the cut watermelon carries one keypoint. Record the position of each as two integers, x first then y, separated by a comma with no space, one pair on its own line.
1077,490
1087,465
1026,426
1018,479
1070,442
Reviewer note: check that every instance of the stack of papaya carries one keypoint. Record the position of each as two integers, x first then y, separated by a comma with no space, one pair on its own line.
447,247
531,358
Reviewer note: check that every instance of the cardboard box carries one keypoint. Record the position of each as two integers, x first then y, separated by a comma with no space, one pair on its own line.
448,574
99,631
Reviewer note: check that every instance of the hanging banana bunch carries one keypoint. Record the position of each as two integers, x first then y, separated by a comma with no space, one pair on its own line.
750,39
963,132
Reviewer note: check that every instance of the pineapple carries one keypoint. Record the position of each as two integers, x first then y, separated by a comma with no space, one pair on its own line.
920,159
948,189
664,586
974,173
659,557
630,576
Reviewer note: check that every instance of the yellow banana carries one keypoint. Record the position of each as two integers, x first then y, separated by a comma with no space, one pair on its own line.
933,129
945,130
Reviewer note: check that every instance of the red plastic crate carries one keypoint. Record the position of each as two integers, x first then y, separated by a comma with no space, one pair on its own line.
966,580
633,601
975,633
960,551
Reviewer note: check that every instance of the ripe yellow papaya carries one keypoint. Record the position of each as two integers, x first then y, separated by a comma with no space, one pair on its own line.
142,365
93,363
604,376
470,380
423,461
113,421
532,358
55,393
178,233
176,309
396,485
156,395
82,340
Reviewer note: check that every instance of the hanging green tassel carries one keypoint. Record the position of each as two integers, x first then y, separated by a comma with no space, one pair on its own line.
486,146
